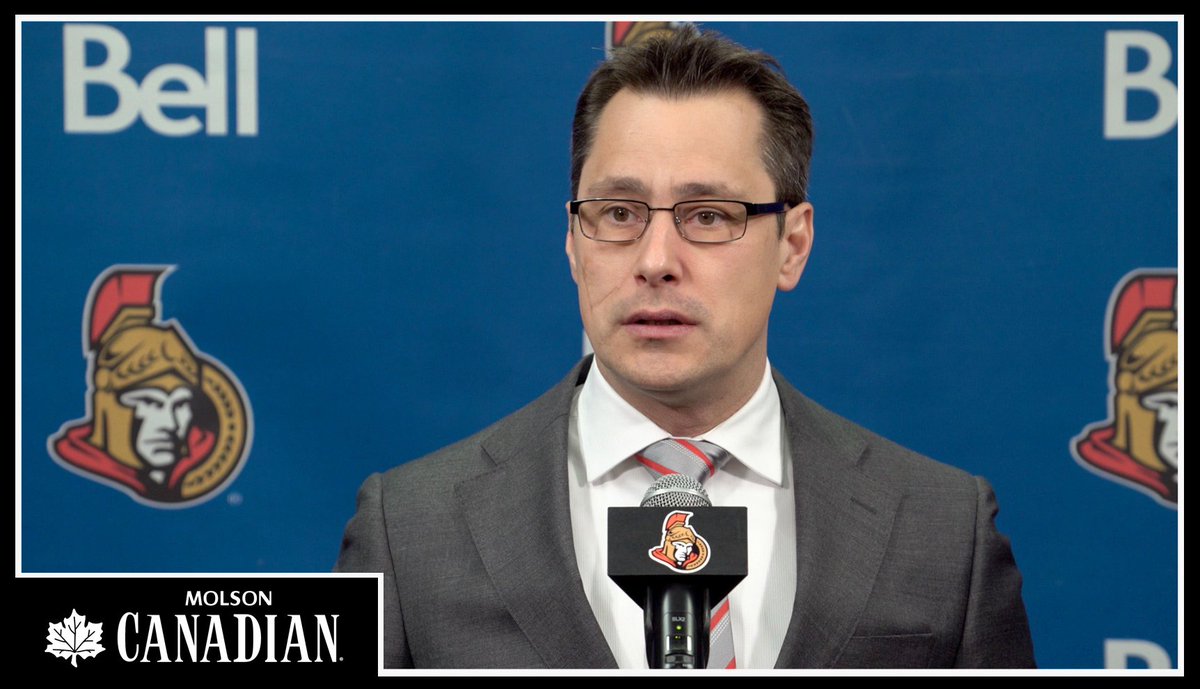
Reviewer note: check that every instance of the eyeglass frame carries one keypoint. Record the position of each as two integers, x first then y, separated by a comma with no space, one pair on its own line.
752,210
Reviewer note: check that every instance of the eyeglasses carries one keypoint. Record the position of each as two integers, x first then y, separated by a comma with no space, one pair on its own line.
709,221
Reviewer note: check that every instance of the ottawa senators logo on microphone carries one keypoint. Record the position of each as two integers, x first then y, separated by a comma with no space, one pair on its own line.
165,424
1138,444
681,549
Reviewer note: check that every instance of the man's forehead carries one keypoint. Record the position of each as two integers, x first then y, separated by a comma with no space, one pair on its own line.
698,145
625,185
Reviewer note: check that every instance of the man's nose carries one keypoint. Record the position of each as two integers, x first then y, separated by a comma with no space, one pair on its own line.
659,250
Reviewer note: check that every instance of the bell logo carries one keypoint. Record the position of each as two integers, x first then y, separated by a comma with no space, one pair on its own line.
207,90
1119,81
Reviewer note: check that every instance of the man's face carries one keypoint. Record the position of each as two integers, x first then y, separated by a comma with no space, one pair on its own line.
163,422
670,319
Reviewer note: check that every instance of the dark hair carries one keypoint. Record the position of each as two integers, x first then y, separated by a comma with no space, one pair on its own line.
688,62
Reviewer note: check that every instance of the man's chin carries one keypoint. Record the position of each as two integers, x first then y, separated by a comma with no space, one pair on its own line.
656,373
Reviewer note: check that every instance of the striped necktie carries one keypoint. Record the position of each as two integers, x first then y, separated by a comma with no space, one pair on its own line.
700,460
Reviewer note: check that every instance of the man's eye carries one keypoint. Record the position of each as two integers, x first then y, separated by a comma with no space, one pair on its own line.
619,214
708,217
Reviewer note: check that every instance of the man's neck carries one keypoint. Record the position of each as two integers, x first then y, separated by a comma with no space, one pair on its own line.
689,413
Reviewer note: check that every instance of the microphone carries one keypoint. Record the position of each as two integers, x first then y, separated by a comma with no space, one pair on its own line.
677,613
676,490
676,555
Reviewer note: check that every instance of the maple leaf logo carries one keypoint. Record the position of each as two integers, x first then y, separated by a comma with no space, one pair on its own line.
74,638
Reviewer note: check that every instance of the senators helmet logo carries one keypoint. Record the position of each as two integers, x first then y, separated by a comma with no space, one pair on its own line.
166,424
620,34
1138,444
681,548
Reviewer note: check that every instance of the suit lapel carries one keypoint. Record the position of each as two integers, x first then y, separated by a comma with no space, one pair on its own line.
520,519
843,521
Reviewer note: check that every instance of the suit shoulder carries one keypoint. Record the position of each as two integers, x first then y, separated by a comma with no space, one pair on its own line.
486,449
912,469
886,460
446,465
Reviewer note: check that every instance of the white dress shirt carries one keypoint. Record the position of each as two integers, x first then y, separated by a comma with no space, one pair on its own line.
605,432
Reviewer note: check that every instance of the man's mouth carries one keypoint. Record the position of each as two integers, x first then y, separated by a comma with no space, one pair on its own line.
658,324
658,318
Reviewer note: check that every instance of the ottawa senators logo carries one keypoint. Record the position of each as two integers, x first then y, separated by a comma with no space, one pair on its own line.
620,34
164,423
1138,444
681,549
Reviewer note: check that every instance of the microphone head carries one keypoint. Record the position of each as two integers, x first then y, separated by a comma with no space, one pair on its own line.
676,490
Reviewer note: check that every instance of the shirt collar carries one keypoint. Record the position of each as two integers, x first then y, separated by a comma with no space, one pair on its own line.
611,430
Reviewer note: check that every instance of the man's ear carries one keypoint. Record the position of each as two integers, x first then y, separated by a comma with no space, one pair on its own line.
795,245
571,247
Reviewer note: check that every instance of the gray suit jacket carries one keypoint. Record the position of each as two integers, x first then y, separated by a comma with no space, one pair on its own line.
898,564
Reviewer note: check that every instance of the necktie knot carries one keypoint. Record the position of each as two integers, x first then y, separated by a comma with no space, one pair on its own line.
696,458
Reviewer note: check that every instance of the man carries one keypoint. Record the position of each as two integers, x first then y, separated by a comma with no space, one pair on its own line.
690,163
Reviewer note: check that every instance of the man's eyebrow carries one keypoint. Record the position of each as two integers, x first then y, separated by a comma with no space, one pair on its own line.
610,186
711,189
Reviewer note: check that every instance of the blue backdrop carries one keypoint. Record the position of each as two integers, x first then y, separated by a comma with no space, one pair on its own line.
380,227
